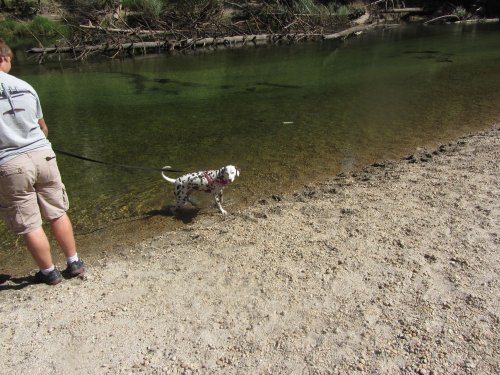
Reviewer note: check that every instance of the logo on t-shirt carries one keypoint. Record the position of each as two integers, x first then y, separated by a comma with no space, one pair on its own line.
9,94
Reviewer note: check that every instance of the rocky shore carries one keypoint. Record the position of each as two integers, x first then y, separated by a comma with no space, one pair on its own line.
391,270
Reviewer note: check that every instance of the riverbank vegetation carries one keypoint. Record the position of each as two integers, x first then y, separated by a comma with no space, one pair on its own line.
115,27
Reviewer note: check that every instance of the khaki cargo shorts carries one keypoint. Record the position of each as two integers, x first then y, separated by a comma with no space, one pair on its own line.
31,188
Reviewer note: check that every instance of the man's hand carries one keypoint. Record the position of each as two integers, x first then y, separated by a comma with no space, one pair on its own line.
44,127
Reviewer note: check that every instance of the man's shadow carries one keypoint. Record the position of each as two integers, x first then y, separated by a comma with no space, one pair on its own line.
15,283
8,282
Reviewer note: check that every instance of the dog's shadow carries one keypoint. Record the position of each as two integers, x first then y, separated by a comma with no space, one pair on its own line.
15,283
184,214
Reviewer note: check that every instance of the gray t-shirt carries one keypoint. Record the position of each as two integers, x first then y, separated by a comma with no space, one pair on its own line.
20,111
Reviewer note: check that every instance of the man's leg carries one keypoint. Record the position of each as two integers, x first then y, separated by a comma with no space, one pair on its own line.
63,231
39,247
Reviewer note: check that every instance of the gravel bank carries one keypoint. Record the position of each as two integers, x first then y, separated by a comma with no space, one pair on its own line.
391,270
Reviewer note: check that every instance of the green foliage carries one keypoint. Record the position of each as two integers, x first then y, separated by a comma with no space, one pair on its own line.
8,28
145,12
151,6
39,26
96,4
346,11
307,7
460,12
76,6
153,9
26,8
340,9
45,27
200,10
131,4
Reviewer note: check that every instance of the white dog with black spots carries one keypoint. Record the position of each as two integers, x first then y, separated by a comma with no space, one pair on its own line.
212,181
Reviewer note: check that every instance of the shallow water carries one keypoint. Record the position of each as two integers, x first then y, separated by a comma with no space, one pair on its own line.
285,115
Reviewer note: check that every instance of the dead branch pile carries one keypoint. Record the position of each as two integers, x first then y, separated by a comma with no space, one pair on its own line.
206,27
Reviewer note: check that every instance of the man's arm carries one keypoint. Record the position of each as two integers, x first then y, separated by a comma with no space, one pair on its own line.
43,126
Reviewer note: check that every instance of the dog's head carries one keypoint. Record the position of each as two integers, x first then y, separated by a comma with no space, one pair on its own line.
230,172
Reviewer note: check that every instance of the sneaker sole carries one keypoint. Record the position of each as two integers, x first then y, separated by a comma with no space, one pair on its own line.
55,282
39,280
52,282
77,272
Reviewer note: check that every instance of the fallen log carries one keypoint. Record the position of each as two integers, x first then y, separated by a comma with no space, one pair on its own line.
481,20
459,21
96,48
170,45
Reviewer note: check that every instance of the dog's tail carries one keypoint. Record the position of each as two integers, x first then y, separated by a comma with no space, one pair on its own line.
166,178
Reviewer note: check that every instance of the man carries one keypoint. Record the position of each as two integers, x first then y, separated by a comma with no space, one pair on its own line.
30,183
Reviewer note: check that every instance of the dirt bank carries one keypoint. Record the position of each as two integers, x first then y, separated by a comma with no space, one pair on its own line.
392,270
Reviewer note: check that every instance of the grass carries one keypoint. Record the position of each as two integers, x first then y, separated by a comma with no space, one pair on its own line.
38,26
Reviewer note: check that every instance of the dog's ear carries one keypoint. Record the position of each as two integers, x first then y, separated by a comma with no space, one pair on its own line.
237,172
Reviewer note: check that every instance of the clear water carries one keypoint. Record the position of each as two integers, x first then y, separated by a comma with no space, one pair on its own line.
285,115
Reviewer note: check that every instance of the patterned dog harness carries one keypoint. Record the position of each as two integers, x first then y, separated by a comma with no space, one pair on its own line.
211,182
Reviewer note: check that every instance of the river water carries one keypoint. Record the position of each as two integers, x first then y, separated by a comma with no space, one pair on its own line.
285,115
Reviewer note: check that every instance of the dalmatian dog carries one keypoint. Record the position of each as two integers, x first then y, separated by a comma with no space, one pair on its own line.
212,181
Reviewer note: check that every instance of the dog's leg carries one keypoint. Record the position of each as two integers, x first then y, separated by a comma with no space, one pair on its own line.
180,200
190,201
218,201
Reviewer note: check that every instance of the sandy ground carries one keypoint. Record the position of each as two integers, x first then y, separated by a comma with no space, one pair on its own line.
391,270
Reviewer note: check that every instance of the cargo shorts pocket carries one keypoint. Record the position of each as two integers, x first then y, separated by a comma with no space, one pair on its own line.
8,171
21,218
12,180
53,202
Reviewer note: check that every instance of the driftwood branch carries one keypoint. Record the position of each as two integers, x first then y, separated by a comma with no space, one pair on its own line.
403,10
350,31
123,31
442,17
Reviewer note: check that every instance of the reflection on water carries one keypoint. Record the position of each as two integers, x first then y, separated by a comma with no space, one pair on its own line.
285,115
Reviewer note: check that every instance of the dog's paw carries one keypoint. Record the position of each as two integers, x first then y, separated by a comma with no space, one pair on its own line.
223,212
